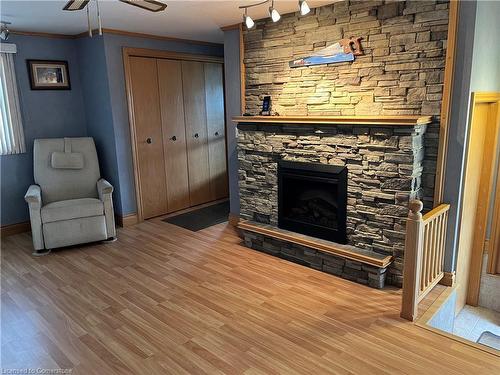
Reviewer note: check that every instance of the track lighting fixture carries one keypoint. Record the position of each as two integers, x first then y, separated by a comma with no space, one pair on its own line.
248,20
304,7
4,30
273,13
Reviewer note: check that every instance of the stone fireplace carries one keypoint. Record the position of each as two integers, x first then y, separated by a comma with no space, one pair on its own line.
331,192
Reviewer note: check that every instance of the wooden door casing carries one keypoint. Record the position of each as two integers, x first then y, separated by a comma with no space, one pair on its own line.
494,249
480,162
147,120
214,93
174,134
469,204
193,83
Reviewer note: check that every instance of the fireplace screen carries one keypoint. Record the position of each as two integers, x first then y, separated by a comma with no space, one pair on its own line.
313,199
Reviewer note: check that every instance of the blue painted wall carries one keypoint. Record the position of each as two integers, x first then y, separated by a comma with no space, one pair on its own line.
95,106
114,61
46,114
232,72
95,90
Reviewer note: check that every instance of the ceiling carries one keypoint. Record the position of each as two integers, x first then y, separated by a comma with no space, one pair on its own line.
188,19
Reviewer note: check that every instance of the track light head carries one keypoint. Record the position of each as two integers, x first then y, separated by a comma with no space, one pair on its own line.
248,20
4,30
274,14
304,7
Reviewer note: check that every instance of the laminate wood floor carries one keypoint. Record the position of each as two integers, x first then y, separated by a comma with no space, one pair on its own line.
164,300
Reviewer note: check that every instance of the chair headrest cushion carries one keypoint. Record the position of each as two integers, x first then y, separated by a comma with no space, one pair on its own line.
66,160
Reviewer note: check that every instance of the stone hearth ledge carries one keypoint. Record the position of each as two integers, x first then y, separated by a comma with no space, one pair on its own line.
348,262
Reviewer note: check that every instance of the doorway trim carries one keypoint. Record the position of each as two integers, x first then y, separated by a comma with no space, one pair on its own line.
158,54
477,252
494,240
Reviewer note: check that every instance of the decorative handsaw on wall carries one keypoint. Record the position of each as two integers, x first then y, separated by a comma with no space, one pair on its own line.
343,51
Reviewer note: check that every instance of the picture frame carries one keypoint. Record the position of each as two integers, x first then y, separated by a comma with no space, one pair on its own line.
49,74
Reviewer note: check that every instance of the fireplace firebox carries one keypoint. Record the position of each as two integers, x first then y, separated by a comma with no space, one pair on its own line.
312,199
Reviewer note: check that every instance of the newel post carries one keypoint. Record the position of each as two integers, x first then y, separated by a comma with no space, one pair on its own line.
412,260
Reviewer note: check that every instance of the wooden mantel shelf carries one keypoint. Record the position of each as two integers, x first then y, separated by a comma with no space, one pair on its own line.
336,120
344,251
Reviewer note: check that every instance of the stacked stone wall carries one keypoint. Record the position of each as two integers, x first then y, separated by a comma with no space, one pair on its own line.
401,72
384,171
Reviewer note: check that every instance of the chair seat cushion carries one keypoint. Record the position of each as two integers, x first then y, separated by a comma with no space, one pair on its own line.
72,209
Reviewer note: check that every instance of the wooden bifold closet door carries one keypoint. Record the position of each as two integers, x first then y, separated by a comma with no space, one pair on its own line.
178,109
149,145
174,135
214,97
193,79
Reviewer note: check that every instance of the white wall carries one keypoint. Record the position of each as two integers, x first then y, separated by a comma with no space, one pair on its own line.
486,53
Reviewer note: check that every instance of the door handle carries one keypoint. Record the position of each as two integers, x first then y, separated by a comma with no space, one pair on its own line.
216,134
196,135
174,138
149,140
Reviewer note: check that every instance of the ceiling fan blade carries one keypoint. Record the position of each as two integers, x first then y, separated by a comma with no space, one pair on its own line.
151,5
76,4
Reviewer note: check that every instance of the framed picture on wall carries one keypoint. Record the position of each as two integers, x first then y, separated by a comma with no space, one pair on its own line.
49,75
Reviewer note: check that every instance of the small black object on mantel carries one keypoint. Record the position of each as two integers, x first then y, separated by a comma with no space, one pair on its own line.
266,106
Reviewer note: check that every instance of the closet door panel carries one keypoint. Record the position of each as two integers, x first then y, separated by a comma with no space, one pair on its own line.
214,94
174,135
193,81
149,143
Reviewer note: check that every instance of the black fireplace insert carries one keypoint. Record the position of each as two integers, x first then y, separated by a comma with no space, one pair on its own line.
312,199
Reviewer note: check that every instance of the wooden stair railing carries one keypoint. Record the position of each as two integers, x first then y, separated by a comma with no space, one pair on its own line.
424,255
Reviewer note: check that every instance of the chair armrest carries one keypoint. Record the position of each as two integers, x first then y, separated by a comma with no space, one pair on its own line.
34,199
33,195
103,188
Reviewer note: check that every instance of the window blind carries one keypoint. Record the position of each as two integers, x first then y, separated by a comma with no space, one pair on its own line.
11,128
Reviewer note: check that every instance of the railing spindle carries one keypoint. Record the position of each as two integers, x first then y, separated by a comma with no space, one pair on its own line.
424,258
443,243
434,251
437,249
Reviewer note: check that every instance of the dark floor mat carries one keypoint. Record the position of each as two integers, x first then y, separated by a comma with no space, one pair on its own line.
203,218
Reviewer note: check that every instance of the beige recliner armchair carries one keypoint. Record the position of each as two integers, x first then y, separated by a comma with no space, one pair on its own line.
70,203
